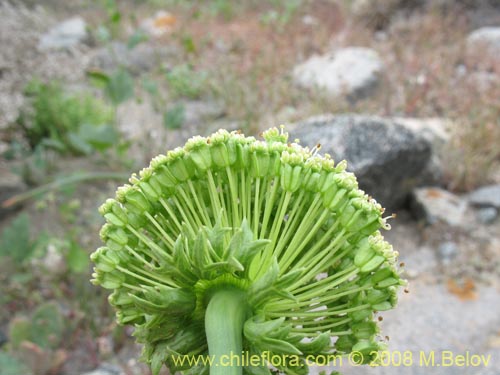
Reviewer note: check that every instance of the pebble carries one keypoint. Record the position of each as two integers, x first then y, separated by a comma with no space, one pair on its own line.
448,251
487,215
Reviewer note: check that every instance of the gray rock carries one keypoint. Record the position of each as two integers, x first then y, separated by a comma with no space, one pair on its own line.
437,205
487,215
386,157
437,132
484,40
198,111
353,71
65,35
448,251
486,196
142,58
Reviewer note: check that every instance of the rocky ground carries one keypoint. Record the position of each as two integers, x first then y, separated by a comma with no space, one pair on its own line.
407,94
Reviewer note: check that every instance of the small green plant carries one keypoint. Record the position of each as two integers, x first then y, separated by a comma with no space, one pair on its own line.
69,123
231,245
15,241
10,365
174,117
44,328
281,16
36,340
184,81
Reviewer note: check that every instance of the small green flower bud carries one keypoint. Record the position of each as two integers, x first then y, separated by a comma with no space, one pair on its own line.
135,201
111,280
344,344
361,315
364,330
367,348
219,150
120,298
198,150
102,261
382,299
165,179
129,316
118,235
364,252
179,166
259,159
274,135
385,277
291,176
113,219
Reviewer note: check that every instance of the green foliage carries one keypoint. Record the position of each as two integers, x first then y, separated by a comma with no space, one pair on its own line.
77,258
174,117
19,330
112,26
136,38
45,328
118,87
12,366
15,241
69,123
281,16
183,81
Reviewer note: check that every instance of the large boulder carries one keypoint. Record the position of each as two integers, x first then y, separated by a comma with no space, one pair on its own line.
483,49
387,158
486,196
485,39
354,72
435,205
65,35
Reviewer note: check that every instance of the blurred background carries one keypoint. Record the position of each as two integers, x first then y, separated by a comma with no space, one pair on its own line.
408,92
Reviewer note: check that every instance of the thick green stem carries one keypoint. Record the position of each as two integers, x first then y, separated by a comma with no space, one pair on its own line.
224,318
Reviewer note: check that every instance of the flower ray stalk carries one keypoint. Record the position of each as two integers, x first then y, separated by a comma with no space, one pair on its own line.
231,244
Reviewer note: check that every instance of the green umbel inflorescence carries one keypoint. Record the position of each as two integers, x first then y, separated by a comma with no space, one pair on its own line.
282,226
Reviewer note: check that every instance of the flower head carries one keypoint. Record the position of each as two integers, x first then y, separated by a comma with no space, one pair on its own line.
288,228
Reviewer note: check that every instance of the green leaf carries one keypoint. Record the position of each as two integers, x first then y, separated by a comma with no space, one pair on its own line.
243,247
78,260
188,44
103,34
100,137
120,87
115,17
19,331
47,326
174,118
12,366
98,79
79,145
150,86
136,38
15,240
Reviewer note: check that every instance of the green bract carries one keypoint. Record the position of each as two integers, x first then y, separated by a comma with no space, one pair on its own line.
276,234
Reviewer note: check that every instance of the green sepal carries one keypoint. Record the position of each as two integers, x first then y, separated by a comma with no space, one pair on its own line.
320,344
242,245
166,300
